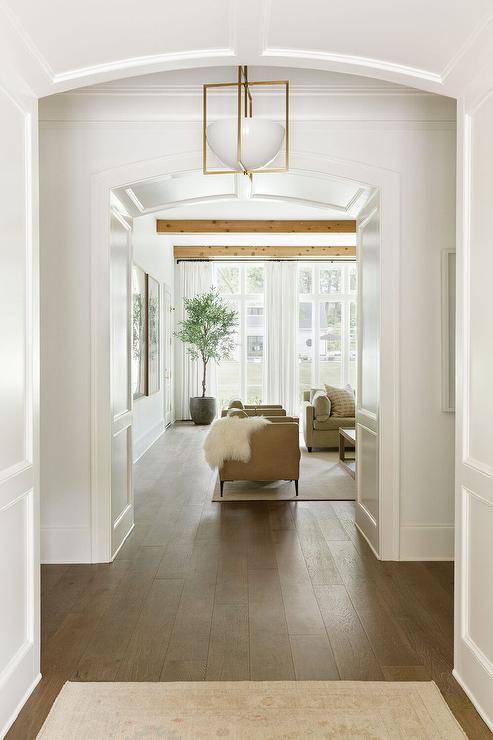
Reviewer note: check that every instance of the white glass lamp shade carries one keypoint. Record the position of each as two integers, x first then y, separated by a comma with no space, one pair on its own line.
261,141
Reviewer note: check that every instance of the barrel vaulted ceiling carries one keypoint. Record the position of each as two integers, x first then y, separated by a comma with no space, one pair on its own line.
65,44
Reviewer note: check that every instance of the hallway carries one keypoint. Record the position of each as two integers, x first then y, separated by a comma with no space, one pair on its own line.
241,591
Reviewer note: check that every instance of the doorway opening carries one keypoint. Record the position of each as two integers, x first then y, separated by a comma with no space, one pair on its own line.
383,539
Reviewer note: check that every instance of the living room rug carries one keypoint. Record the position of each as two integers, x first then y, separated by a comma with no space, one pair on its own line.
321,479
253,709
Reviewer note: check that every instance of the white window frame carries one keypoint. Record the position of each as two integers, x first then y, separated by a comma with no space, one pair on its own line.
316,298
242,300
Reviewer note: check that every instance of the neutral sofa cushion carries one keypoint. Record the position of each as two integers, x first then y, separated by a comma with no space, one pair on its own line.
321,404
342,401
239,413
333,423
235,403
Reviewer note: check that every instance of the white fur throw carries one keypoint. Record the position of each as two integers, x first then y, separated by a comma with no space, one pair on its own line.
229,439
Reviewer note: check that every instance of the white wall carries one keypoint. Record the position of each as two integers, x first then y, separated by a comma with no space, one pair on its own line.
473,660
410,133
155,255
19,387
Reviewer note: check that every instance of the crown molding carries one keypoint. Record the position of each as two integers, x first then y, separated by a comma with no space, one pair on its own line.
153,60
350,60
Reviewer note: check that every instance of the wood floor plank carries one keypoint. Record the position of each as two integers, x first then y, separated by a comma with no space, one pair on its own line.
232,574
146,651
228,658
280,516
191,632
300,605
61,654
270,649
313,658
105,653
69,590
352,650
319,560
388,640
184,670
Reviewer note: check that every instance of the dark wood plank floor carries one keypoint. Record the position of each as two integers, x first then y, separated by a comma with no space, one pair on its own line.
239,591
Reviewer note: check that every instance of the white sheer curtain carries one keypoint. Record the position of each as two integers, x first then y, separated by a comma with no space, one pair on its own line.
193,278
281,329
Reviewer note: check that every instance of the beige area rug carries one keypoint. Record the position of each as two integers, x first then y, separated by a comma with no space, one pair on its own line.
321,479
271,709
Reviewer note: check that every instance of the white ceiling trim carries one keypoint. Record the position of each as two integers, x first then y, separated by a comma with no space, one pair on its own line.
361,63
158,61
51,82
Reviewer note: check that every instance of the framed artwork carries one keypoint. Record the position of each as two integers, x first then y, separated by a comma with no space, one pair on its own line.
139,332
153,336
448,330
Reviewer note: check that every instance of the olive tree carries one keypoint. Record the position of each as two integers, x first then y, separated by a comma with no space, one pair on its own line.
208,329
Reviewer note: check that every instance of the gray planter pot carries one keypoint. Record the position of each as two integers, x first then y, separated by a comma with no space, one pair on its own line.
202,410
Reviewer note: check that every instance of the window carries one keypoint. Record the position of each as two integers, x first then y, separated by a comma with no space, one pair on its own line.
327,325
326,333
242,285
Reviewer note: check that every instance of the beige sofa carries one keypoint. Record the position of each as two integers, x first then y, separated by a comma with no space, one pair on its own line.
275,456
322,433
253,410
260,411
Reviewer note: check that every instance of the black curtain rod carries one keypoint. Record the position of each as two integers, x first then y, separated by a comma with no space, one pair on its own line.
309,260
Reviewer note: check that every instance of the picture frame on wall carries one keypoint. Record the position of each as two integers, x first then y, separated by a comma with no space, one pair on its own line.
153,335
139,333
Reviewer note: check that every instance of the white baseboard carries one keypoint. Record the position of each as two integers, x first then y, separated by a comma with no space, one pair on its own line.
142,444
16,712
484,715
65,545
427,542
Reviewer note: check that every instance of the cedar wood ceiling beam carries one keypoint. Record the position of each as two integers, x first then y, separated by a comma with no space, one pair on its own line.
262,251
240,226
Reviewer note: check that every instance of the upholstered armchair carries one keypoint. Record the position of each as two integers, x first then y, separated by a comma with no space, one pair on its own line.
275,455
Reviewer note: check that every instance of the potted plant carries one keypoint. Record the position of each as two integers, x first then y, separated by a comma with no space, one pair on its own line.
208,330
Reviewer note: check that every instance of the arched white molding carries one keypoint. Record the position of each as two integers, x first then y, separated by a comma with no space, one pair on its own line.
346,64
388,183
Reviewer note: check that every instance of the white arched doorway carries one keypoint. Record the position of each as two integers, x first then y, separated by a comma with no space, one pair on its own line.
387,184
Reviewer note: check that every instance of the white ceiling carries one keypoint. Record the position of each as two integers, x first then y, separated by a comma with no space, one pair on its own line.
68,44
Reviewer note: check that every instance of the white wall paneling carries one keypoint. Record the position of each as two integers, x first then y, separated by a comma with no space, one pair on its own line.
122,500
155,256
369,260
474,407
19,396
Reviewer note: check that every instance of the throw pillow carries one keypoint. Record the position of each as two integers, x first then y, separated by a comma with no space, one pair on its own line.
235,403
342,401
313,393
321,404
239,413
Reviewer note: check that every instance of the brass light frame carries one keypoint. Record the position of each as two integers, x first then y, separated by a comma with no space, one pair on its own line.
245,102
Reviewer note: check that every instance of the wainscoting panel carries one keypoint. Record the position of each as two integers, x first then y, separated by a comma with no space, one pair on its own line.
19,394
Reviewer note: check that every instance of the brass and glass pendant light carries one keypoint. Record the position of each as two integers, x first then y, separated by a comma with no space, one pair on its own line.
244,143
